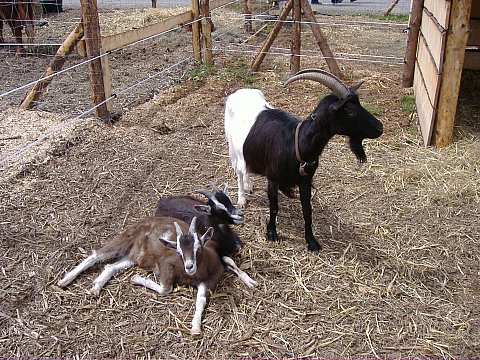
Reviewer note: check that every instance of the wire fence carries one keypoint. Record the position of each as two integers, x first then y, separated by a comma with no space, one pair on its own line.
142,69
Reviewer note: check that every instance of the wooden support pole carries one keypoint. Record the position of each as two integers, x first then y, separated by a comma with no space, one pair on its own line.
91,27
206,31
247,8
457,37
197,47
321,40
55,65
271,37
296,37
412,41
391,7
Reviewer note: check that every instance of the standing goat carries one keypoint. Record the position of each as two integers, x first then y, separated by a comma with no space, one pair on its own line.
150,243
275,144
218,213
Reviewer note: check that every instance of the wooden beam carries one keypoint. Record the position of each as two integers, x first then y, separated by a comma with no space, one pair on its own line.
457,37
296,37
321,40
271,36
391,7
412,40
91,27
55,65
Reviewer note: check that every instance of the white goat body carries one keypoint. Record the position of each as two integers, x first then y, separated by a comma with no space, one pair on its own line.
241,110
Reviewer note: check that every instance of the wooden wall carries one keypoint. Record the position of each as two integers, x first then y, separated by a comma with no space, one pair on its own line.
441,56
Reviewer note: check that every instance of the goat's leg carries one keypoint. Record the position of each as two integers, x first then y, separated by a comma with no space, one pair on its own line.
247,182
152,285
305,198
273,200
2,40
230,264
17,34
110,271
242,198
199,307
91,260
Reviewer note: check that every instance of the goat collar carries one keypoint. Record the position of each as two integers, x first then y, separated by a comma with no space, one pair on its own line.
303,163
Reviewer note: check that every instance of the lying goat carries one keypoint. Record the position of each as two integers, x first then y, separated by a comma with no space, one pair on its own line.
150,243
274,143
219,212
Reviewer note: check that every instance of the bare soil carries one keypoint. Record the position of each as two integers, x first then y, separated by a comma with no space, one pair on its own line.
397,276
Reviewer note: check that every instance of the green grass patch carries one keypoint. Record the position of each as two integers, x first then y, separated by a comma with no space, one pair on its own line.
201,72
241,71
407,104
374,109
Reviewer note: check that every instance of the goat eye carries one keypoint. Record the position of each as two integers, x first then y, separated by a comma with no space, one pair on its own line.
351,113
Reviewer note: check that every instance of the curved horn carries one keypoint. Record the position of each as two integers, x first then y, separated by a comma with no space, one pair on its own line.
214,187
205,192
323,77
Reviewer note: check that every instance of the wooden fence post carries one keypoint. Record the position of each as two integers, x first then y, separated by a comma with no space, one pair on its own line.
91,27
247,8
296,37
197,47
206,31
412,41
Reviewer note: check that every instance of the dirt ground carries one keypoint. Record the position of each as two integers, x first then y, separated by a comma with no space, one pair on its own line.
397,276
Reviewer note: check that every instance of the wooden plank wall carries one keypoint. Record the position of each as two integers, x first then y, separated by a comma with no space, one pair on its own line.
428,67
472,55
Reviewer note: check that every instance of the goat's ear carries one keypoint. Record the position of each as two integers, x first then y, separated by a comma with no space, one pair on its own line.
207,236
203,209
179,230
354,88
333,108
168,243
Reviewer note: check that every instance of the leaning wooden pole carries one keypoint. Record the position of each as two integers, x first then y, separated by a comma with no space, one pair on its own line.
412,40
391,7
55,65
321,40
91,26
271,37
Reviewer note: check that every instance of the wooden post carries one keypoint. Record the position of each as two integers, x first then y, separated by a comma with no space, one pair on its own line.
390,8
457,37
271,37
321,40
247,8
296,37
206,31
197,48
93,43
412,41
55,65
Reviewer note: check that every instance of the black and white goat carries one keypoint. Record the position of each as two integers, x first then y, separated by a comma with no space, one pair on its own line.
219,213
171,249
274,143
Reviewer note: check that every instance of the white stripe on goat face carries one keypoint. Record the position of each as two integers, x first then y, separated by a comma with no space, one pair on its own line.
187,246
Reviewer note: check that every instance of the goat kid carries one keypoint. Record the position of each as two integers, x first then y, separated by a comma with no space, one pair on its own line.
219,212
275,144
150,243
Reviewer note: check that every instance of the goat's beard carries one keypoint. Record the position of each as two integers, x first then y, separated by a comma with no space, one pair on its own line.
357,148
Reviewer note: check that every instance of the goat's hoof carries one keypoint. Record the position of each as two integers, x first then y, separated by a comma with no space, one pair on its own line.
314,246
95,290
196,332
272,235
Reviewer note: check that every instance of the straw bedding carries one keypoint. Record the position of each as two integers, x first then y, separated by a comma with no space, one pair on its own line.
397,276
